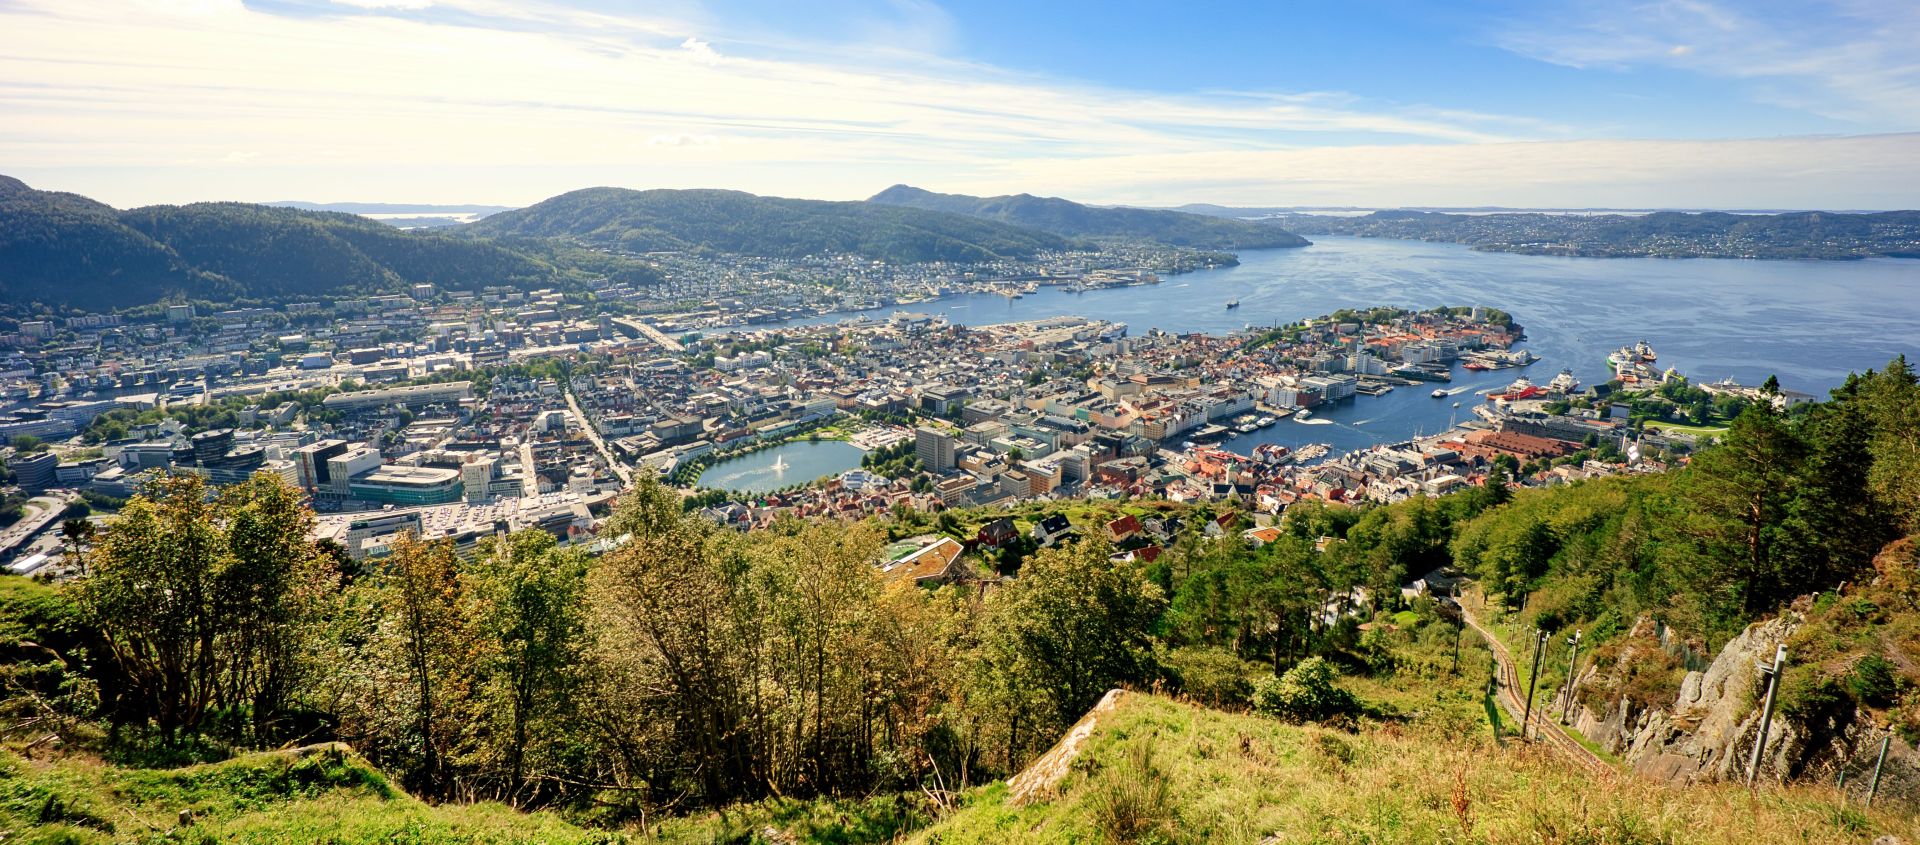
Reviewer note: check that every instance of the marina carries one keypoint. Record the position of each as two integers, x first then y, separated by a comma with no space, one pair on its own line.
1808,322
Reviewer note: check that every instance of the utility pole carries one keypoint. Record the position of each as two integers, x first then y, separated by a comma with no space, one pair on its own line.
1573,662
1874,788
1539,648
1766,713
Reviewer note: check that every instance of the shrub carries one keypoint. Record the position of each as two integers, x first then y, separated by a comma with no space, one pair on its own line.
1873,681
1306,693
1806,693
1132,803
1214,677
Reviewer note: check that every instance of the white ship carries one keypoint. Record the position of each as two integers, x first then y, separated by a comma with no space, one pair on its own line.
1565,382
1639,353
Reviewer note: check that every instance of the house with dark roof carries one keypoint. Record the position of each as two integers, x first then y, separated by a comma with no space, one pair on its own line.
997,534
1053,529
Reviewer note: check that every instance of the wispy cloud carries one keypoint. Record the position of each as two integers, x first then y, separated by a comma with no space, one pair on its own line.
472,100
1852,60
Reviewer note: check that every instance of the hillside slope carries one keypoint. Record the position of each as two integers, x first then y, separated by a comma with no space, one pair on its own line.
1799,234
323,794
737,222
65,249
1157,770
1071,219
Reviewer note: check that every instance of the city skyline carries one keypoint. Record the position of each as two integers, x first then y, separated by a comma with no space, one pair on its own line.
1675,105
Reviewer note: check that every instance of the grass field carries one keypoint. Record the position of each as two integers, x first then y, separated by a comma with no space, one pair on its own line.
1163,771
321,794
1696,430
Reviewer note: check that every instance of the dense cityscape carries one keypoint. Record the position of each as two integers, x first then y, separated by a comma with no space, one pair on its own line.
448,413
914,422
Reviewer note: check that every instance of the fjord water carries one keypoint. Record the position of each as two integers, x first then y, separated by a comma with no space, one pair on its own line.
1809,322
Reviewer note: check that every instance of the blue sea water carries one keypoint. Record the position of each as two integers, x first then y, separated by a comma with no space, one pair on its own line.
1809,322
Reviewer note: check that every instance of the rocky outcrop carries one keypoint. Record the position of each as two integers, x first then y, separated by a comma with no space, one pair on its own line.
1708,731
1037,781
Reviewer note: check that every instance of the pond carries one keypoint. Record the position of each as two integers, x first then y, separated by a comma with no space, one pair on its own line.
792,463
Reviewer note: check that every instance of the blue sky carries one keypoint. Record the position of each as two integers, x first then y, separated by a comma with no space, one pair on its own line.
1695,104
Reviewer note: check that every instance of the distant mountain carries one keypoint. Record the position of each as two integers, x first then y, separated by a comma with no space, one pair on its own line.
742,223
1071,219
65,249
1661,234
403,215
421,209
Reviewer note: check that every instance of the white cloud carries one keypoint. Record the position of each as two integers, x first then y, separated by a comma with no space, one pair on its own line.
701,51
386,4
139,102
1808,172
682,139
1851,60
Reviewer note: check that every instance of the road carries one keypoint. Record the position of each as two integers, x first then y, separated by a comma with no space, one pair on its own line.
649,332
1511,684
619,469
20,532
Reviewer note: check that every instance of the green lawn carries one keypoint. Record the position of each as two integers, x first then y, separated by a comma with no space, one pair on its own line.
1697,430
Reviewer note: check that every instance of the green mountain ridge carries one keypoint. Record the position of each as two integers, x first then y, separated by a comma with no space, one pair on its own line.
1072,219
65,249
1711,234
747,224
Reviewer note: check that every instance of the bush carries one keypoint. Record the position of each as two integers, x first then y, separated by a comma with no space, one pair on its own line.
1873,681
1214,677
1808,694
1132,803
1306,693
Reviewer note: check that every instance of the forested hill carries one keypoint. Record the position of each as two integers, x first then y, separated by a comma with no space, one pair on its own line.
65,249
737,222
1664,234
1071,219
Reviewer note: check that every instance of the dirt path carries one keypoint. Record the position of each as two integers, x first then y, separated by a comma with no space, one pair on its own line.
1511,684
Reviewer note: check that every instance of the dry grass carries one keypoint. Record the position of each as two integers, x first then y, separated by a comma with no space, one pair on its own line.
1238,778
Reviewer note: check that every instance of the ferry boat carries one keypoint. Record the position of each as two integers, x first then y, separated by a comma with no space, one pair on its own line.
1565,382
1639,353
1439,393
1521,388
1302,414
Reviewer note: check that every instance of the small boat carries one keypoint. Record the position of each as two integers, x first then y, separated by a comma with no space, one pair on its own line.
1456,404
1232,304
1302,414
1439,394
1246,428
1263,422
